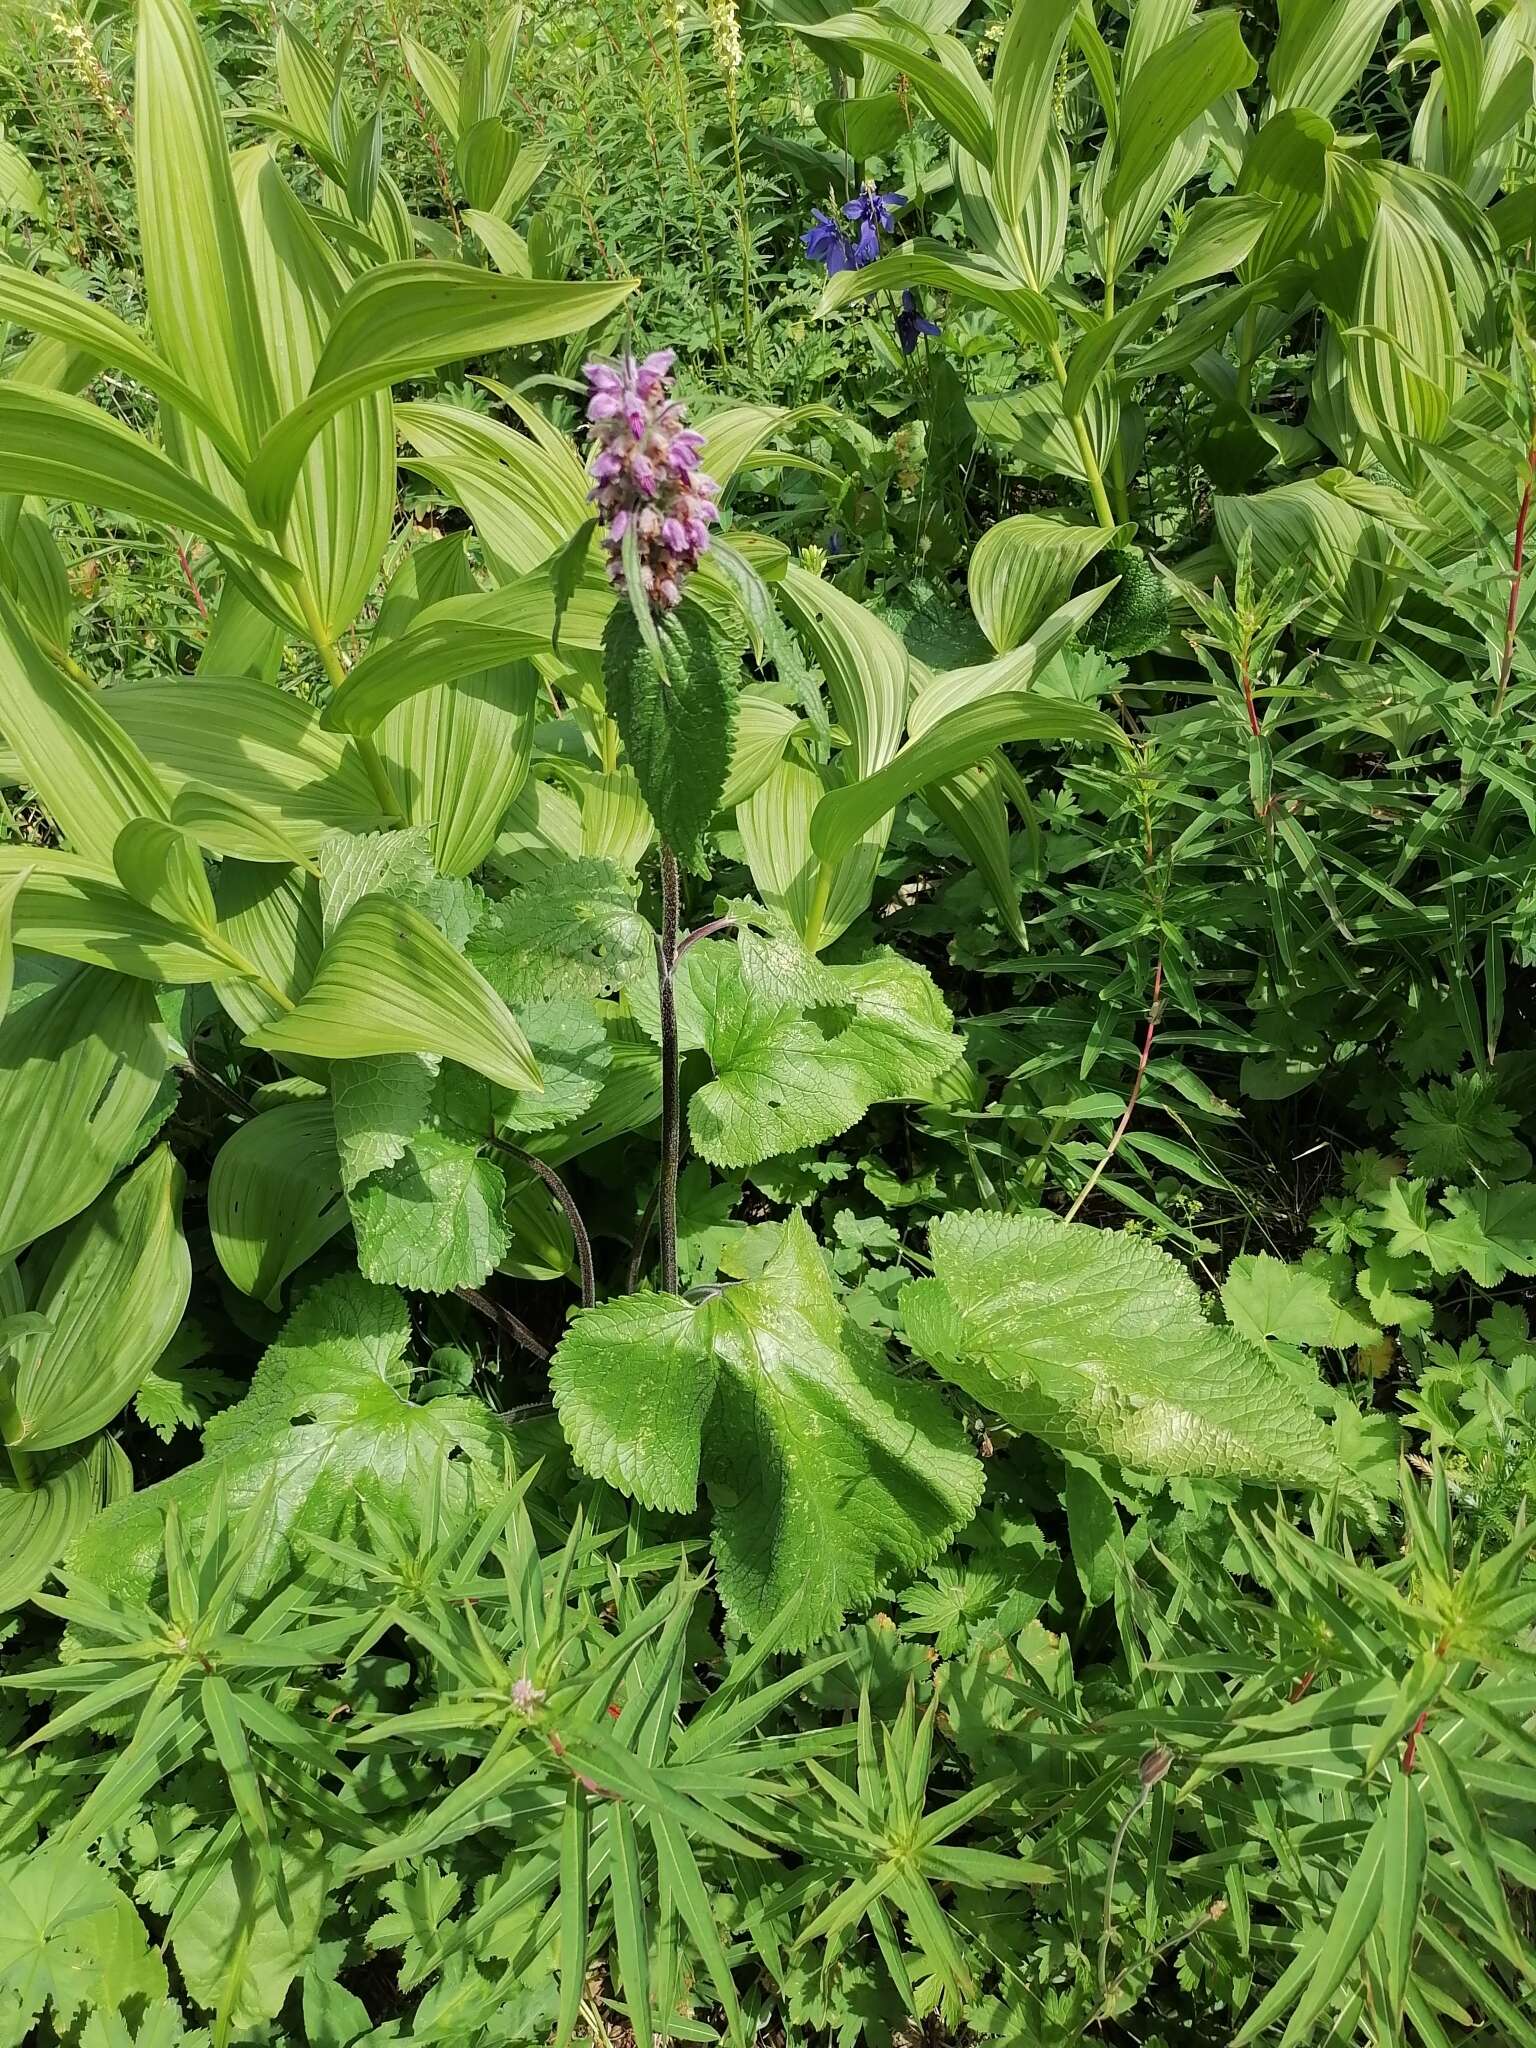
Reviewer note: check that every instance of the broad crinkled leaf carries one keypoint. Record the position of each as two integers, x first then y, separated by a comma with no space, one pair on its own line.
378,1105
1097,1342
328,1421
397,864
800,1051
677,719
576,933
827,1471
433,1220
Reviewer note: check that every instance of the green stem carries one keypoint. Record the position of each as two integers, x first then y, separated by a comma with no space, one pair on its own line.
1086,456
10,1425
742,237
367,752
816,916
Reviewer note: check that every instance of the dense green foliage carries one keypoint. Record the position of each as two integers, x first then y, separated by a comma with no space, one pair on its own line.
774,1291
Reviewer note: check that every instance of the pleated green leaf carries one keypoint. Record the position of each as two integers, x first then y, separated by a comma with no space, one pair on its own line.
1405,371
1021,570
197,271
57,446
526,494
947,82
865,664
114,1293
271,917
43,306
764,728
343,502
88,773
1023,92
38,1525
78,910
1178,82
262,747
1346,550
1322,48
406,320
161,867
85,1056
971,279
957,741
388,981
275,1197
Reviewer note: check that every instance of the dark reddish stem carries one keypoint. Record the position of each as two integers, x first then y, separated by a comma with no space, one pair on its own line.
1507,660
1302,1687
705,931
1411,1746
1130,1108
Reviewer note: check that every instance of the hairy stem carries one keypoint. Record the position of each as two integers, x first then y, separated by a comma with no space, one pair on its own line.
495,1312
573,1215
671,1076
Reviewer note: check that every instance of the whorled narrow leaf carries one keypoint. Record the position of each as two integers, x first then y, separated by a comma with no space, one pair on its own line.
113,1295
405,320
388,981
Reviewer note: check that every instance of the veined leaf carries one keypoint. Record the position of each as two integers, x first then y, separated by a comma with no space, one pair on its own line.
866,666
327,1424
274,1196
785,1409
1176,84
43,306
73,908
969,278
1404,353
161,867
960,738
406,320
388,981
57,446
196,265
1021,570
1023,92
85,1056
947,83
39,1524
113,1296
1322,48
88,773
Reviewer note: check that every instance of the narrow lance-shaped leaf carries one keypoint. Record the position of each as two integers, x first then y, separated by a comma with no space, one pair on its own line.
405,320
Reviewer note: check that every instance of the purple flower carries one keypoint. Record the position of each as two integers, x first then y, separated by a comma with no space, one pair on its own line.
646,475
875,211
825,242
910,322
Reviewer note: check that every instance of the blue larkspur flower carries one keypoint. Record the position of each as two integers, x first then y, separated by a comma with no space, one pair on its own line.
875,210
910,323
825,242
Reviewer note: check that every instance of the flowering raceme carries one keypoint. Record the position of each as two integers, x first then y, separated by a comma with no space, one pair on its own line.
646,475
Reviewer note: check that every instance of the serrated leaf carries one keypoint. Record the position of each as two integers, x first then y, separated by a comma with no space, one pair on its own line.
378,1106
328,1422
826,1470
1265,1297
577,933
676,716
1096,1341
800,1051
433,1220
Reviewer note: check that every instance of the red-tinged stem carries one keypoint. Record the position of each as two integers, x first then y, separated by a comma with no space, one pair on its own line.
1130,1108
186,570
568,1203
1411,1746
705,931
495,1312
1302,1687
1246,678
1507,660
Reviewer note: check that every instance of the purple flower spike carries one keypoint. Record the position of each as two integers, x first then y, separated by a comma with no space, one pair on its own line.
646,475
